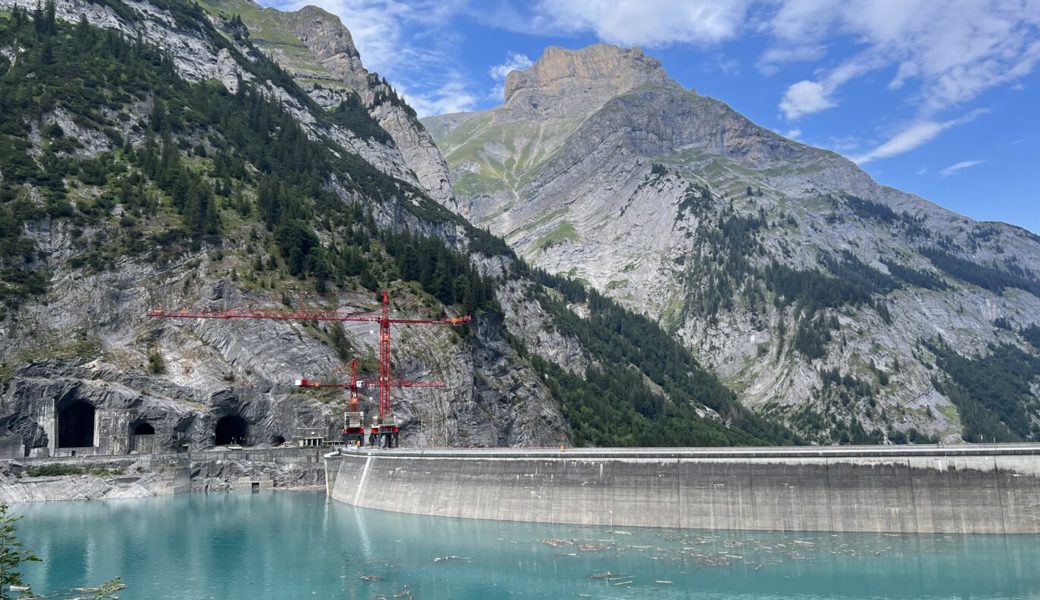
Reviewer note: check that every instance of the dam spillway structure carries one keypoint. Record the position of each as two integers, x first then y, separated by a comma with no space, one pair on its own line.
992,489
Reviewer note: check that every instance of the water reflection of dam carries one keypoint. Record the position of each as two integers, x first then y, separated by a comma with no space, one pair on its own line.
906,489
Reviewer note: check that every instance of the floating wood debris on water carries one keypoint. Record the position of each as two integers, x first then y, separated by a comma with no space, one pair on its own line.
556,543
404,594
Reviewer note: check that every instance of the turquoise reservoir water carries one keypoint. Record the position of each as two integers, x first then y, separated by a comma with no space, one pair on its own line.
296,545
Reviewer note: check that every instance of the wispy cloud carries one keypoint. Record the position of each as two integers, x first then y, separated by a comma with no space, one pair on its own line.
913,136
451,97
515,61
721,63
941,53
954,168
954,49
774,58
807,97
649,23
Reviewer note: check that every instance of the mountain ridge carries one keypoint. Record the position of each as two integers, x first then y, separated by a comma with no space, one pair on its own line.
682,209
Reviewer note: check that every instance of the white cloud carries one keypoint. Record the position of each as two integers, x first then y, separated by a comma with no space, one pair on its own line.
913,136
804,98
514,62
794,134
451,97
774,58
954,168
721,63
906,70
905,140
807,97
649,23
954,49
845,144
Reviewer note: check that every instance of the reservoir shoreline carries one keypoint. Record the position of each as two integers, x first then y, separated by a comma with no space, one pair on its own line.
145,475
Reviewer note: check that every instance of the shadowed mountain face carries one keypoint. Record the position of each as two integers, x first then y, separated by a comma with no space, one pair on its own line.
851,311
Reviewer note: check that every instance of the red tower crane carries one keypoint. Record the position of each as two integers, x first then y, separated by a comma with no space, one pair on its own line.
386,426
354,417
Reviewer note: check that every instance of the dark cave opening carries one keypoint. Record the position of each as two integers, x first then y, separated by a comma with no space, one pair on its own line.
232,429
76,425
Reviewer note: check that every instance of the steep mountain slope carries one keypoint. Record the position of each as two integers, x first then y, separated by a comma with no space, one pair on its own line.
151,155
829,301
318,51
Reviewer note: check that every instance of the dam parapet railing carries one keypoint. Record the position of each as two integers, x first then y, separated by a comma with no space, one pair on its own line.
992,488
712,452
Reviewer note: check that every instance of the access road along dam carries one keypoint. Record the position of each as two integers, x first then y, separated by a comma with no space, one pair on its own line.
883,489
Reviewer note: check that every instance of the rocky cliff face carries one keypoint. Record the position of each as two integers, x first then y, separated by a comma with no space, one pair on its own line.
567,83
819,294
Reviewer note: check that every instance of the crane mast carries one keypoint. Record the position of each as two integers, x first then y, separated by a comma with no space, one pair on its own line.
354,417
386,428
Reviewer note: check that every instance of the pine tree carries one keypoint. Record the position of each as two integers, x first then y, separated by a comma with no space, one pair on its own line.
12,554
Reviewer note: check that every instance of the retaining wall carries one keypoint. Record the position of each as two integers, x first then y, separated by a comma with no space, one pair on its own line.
141,475
991,489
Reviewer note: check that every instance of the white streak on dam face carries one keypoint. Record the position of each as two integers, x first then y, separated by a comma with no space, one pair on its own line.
901,490
361,484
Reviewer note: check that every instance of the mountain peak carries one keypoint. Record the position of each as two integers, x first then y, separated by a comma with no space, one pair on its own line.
566,81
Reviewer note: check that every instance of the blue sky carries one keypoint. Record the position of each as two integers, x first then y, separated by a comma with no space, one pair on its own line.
936,97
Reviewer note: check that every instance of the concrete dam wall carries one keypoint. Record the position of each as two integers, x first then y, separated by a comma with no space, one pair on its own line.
908,489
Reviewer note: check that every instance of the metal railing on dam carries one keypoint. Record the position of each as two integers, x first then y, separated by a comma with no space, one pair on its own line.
903,489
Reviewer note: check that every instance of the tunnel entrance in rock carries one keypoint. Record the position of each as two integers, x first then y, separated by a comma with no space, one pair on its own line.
232,429
76,425
277,440
142,438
